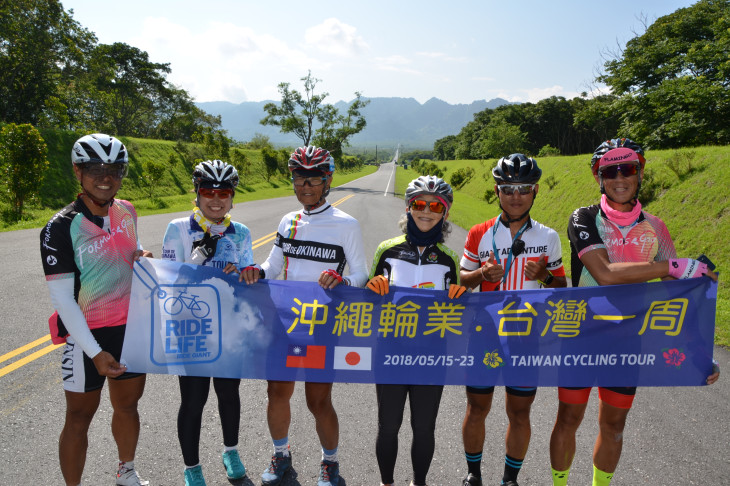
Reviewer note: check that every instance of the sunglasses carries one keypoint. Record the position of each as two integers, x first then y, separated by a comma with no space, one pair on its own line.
99,171
522,189
611,172
433,206
211,193
313,181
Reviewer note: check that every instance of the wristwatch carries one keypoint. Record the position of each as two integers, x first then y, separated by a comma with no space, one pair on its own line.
548,280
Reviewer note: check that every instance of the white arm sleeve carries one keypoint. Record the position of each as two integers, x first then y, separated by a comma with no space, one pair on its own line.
62,299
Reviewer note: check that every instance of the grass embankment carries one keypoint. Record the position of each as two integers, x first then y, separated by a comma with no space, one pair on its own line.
687,188
174,192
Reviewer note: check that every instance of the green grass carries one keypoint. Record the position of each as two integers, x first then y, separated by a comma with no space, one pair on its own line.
688,188
173,193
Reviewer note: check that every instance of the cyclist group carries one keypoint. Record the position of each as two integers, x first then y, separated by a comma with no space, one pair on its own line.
88,249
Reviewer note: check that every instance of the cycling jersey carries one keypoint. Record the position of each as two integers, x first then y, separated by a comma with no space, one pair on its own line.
589,229
484,238
310,242
645,240
75,245
234,246
399,261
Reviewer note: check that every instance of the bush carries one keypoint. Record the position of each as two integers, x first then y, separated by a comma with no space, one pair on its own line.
548,151
461,176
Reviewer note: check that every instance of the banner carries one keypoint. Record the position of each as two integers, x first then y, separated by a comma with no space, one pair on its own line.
193,320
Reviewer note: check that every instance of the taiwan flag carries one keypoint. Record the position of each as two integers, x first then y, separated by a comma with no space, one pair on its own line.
306,356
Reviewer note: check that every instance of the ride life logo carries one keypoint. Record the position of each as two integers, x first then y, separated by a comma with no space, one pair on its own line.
190,325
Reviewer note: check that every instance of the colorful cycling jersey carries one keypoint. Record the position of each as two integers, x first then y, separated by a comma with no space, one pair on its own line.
310,242
590,229
233,247
400,262
74,244
484,238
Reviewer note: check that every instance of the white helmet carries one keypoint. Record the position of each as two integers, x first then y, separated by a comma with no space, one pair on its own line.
99,149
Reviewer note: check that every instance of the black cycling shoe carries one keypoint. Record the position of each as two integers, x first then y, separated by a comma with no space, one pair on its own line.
471,480
510,483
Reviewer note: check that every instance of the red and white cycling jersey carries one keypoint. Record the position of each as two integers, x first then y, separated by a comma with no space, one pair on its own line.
539,240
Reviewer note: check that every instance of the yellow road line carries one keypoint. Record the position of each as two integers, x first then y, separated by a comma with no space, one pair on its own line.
42,352
25,348
33,356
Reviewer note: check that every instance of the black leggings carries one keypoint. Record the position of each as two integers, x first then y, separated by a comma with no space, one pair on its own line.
193,395
424,401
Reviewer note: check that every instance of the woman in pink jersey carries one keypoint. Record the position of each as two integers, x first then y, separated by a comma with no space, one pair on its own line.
614,242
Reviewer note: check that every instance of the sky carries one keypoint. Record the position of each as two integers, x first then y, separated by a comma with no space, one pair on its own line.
458,51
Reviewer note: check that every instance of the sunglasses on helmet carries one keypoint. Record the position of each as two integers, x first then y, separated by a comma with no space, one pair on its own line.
433,206
522,189
211,193
611,171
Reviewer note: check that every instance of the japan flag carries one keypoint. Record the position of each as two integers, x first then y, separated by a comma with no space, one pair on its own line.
353,358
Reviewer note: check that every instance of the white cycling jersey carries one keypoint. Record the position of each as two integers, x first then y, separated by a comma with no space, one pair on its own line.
233,247
310,242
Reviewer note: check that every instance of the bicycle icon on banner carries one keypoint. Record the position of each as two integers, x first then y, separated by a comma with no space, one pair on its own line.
175,304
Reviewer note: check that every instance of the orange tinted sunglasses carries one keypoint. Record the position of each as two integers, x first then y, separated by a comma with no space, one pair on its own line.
434,206
211,193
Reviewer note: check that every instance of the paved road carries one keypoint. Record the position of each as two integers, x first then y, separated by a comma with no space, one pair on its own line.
674,436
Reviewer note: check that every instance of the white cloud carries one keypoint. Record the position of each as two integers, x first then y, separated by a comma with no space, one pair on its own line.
440,56
395,63
231,62
335,37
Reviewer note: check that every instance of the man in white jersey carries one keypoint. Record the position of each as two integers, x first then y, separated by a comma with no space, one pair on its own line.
312,244
508,252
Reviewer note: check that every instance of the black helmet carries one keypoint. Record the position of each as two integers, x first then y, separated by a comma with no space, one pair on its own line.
602,149
516,169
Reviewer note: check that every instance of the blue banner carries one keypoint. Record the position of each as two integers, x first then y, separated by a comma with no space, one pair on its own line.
193,320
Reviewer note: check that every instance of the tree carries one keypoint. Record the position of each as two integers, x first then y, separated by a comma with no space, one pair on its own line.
154,171
22,163
298,112
502,138
41,47
674,80
129,89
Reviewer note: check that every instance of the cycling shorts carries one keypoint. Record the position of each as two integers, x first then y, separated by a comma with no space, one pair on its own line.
78,371
619,397
511,390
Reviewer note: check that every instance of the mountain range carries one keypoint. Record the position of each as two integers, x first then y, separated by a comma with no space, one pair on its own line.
390,121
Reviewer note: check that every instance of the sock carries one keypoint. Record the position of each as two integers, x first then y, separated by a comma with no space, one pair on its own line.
282,445
191,467
601,478
231,448
129,465
474,463
512,468
329,454
560,478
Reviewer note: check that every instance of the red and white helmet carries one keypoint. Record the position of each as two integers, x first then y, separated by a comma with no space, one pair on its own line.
310,158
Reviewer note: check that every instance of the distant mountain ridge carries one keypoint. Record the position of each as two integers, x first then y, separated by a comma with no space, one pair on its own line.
390,121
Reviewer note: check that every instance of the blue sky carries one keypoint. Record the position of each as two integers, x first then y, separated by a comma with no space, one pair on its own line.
458,51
